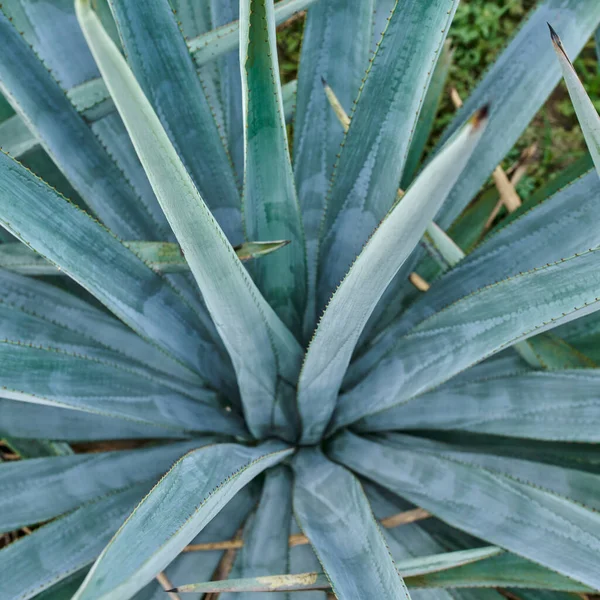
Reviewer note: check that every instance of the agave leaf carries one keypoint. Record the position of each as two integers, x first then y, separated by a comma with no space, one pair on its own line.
42,104
66,545
38,448
302,559
55,377
176,510
202,565
266,533
431,103
271,208
93,257
518,84
162,257
69,481
586,113
50,303
474,327
27,421
507,570
241,314
334,513
333,29
318,581
151,36
569,217
433,477
562,405
363,286
372,159
217,42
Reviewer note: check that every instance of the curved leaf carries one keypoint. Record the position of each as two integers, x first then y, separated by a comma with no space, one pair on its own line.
177,508
331,348
241,314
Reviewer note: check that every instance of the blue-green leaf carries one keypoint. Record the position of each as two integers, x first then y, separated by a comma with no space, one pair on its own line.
335,515
368,172
69,481
271,208
353,302
42,104
260,345
64,546
179,506
161,63
486,503
333,29
517,86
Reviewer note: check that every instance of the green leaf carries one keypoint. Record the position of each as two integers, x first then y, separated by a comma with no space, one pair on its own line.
303,559
288,95
66,545
162,257
69,481
517,85
474,327
368,172
89,254
259,344
266,533
410,569
562,405
333,28
586,113
271,208
217,42
42,104
353,302
177,508
334,514
159,59
431,104
498,508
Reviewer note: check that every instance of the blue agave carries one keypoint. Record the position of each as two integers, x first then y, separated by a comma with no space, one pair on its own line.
295,411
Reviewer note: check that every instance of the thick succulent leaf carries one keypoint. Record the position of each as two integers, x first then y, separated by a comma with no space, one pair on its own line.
174,512
507,570
162,257
46,375
431,103
586,113
517,86
69,481
335,46
64,546
353,302
410,569
266,534
304,560
288,94
241,314
56,306
28,421
161,63
88,253
335,515
271,208
563,405
568,218
217,42
496,507
202,565
38,448
372,159
474,327
42,104
583,334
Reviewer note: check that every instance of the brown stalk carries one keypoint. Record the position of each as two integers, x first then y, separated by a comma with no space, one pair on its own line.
167,585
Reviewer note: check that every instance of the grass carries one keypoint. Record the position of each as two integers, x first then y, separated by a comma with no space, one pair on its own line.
480,31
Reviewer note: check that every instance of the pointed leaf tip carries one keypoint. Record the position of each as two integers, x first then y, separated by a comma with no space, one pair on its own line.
480,118
324,81
557,42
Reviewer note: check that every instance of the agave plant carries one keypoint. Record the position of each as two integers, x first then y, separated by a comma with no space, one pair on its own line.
296,410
